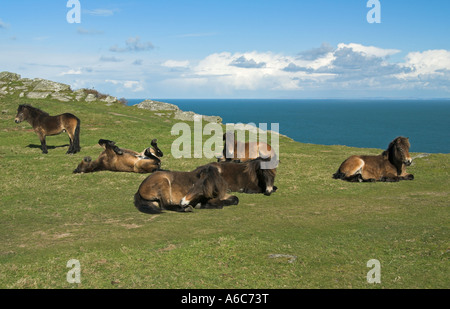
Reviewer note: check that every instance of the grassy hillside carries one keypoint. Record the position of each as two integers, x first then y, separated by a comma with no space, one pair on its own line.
315,232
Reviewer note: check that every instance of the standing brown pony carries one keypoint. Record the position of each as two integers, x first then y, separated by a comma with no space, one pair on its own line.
238,151
118,159
166,190
389,166
45,125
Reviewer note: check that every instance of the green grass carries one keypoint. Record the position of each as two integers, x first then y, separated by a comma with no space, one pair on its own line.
49,215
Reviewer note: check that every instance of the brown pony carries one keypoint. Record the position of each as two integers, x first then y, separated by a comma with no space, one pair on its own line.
389,166
240,152
117,159
247,177
45,125
166,190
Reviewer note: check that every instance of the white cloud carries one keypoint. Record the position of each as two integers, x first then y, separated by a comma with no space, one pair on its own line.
176,64
369,50
71,72
134,86
430,62
346,67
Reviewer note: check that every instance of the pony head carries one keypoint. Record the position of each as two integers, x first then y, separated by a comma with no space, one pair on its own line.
84,166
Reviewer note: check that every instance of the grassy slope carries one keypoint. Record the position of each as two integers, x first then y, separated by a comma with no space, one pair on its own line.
49,216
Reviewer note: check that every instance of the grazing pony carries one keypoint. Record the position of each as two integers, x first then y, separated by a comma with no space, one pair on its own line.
247,177
118,159
45,125
389,166
167,190
240,152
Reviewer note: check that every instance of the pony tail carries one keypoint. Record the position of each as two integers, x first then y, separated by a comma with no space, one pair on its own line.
76,138
145,206
339,175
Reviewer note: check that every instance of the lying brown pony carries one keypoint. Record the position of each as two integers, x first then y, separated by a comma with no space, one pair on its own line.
389,166
118,159
165,190
247,177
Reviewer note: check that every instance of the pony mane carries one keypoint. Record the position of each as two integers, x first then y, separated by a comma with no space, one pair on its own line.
34,111
213,184
252,168
389,152
255,172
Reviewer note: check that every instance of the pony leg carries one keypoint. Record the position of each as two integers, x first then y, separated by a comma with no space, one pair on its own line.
70,150
43,143
217,203
390,178
74,137
407,177
351,170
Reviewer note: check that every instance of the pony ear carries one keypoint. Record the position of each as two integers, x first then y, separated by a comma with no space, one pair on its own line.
87,159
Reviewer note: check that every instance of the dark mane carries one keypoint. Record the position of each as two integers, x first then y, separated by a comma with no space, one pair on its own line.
34,111
254,170
387,153
213,184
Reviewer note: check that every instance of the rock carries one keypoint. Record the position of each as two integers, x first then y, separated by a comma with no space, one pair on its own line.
38,95
109,99
157,106
79,94
12,84
8,76
178,113
47,85
61,97
189,116
90,98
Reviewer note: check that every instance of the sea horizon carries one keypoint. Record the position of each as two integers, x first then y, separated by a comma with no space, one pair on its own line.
364,123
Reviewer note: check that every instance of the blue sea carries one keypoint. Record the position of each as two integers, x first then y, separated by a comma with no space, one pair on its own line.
358,123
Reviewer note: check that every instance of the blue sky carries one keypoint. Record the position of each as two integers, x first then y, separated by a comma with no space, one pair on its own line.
233,49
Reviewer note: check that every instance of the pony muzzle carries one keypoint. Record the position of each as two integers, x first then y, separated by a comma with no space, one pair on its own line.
269,191
408,162
184,202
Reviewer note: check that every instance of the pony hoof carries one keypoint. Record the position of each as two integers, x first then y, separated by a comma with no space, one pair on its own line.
188,209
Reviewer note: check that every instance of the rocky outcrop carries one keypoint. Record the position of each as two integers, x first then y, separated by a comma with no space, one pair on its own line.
171,110
157,106
189,116
38,88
